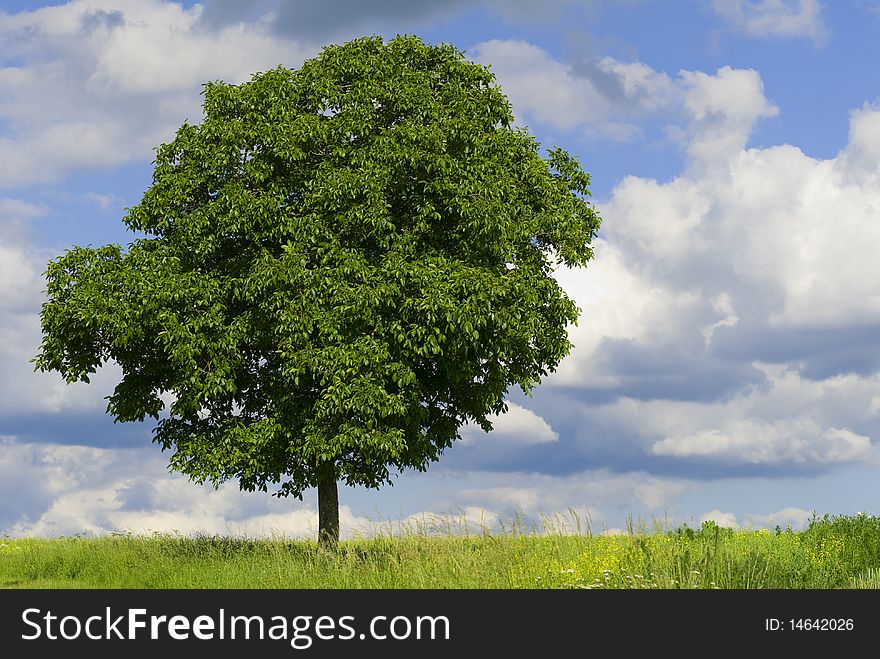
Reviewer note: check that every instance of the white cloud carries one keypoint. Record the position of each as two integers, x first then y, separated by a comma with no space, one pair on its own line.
19,277
600,99
619,302
790,423
102,511
33,476
606,98
21,287
723,108
722,519
758,259
790,441
23,391
102,82
537,84
61,490
518,425
859,163
20,265
774,18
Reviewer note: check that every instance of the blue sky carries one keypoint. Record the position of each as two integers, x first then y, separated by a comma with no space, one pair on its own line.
727,361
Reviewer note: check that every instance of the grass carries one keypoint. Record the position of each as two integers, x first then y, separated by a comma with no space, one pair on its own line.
832,552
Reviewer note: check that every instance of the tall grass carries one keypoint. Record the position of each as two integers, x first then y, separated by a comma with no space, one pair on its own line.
832,552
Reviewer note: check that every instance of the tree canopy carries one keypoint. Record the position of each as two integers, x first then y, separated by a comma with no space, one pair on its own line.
333,271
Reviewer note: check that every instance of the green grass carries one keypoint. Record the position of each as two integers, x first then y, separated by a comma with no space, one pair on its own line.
832,552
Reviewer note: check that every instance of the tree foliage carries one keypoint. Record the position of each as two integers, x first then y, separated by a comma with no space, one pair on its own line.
336,269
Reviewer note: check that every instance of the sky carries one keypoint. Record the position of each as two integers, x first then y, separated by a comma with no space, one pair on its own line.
727,360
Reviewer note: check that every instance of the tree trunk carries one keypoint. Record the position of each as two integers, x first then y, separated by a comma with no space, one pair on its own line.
328,511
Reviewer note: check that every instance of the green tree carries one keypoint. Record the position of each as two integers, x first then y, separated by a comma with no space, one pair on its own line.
340,266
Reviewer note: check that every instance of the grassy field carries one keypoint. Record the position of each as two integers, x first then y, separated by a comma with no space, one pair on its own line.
832,552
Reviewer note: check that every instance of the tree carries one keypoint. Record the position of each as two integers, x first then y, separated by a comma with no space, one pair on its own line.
339,267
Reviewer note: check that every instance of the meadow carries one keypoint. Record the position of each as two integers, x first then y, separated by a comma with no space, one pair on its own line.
831,552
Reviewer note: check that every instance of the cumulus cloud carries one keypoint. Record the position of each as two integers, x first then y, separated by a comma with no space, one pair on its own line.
19,276
60,490
723,108
756,231
21,283
21,289
590,96
605,98
96,83
783,441
518,425
730,316
774,18
618,303
722,519
33,476
23,391
789,425
859,163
